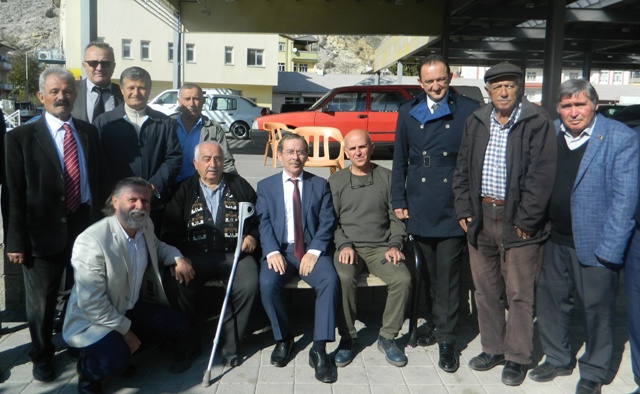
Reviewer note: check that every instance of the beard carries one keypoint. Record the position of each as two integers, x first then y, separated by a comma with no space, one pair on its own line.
133,219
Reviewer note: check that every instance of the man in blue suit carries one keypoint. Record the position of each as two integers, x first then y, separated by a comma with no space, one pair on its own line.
296,229
592,210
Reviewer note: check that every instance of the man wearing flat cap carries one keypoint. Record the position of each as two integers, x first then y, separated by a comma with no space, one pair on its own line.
502,184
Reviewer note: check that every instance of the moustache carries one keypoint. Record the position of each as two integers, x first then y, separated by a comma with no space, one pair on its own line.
61,103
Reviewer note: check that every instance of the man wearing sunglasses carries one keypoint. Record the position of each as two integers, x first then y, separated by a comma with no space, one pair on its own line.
368,236
96,93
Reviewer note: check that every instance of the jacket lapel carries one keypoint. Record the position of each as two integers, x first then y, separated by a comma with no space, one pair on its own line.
307,192
44,138
596,141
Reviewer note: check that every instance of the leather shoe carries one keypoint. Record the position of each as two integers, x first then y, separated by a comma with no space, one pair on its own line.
485,361
183,360
546,372
43,371
513,373
427,339
58,321
392,354
281,353
586,386
344,353
318,361
448,360
85,387
231,360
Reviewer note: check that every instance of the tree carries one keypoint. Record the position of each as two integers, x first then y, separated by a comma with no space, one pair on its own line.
408,70
21,61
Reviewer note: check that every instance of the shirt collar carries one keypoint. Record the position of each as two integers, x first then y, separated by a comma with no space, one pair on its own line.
515,114
55,124
430,102
210,193
136,237
90,86
286,177
198,123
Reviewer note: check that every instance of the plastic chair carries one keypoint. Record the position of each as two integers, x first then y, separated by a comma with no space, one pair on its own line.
275,133
317,136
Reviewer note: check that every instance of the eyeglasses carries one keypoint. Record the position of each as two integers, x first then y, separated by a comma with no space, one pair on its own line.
366,183
291,152
95,63
439,81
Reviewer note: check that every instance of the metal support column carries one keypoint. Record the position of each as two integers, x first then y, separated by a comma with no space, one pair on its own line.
586,62
446,30
88,25
553,46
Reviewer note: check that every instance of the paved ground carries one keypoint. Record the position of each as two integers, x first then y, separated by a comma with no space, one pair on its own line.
369,373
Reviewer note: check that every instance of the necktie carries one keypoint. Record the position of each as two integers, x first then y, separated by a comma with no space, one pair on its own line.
71,170
298,235
435,107
98,107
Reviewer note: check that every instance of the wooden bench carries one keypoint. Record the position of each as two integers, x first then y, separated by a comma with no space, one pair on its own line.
364,280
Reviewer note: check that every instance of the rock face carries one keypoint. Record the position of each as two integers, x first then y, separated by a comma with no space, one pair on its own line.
347,54
29,24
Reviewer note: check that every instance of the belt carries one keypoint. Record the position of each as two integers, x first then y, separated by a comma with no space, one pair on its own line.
434,161
493,201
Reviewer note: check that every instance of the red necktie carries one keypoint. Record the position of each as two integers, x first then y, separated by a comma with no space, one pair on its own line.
298,235
71,170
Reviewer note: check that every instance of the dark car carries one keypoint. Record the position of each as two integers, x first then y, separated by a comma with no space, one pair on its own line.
629,115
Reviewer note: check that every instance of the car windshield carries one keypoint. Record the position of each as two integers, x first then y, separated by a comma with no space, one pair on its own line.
318,104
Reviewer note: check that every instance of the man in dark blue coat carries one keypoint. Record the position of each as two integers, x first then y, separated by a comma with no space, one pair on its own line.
428,136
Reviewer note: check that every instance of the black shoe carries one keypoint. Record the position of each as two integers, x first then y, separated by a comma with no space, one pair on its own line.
58,321
546,372
183,360
44,371
73,353
318,361
392,354
586,386
448,360
427,339
85,387
513,373
485,361
231,360
344,353
130,372
281,353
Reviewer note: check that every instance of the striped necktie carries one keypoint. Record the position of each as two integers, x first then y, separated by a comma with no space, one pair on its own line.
71,170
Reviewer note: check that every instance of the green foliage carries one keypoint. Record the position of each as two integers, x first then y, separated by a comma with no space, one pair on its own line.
23,89
408,70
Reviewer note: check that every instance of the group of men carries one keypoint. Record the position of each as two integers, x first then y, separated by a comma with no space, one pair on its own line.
546,212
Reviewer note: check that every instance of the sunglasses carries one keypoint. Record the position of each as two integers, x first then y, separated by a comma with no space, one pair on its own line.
95,63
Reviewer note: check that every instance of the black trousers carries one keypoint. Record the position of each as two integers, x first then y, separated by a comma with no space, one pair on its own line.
443,259
42,277
244,292
151,323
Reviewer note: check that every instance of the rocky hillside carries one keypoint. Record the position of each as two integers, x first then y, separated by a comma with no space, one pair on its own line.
33,24
29,24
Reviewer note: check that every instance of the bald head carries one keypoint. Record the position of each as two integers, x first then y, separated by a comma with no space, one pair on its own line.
358,148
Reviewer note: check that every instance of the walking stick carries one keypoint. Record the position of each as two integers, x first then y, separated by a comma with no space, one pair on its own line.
246,210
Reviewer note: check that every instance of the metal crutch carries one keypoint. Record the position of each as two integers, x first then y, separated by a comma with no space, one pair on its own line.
246,210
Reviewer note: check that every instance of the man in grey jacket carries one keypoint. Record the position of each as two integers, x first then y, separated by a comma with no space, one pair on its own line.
194,128
502,185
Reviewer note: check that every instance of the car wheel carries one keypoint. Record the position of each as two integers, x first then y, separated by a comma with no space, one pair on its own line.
240,130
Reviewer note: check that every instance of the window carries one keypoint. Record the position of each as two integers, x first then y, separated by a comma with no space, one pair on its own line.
386,101
224,104
170,52
531,76
282,46
348,102
617,77
228,55
574,75
302,68
144,50
191,53
255,57
126,49
280,66
604,77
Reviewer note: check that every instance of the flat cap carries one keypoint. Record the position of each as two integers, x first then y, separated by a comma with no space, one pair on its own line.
501,70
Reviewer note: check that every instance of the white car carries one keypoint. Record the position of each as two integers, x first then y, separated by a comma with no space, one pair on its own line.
232,111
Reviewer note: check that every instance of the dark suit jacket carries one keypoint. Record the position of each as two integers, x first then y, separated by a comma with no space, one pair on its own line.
80,106
35,183
154,154
318,216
